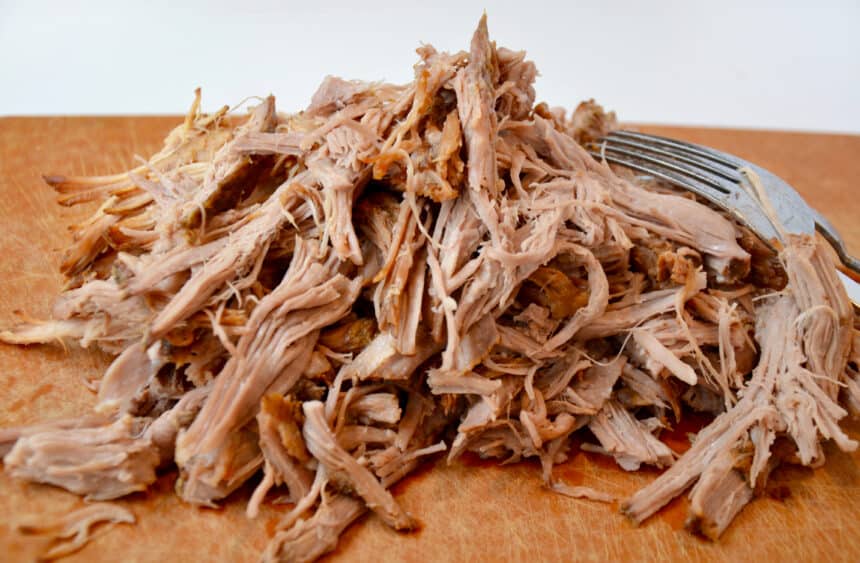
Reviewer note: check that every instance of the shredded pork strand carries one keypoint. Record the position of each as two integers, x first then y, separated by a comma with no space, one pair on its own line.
326,298
74,530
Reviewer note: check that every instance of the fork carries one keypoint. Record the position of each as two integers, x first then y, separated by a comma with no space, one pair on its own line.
722,179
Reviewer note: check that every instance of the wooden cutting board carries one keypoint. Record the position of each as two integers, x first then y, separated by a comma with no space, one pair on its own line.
469,511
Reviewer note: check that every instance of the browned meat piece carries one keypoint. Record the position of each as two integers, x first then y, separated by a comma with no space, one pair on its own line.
381,360
230,176
443,154
350,336
283,449
718,497
536,322
765,268
598,298
552,289
642,389
589,122
691,224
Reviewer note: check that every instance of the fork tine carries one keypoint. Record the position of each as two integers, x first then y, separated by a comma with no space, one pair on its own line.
666,164
689,149
738,203
652,147
674,177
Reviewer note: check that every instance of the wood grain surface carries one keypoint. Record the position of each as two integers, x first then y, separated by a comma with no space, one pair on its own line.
469,511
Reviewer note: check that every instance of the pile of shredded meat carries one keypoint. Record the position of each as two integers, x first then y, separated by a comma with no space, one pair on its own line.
318,301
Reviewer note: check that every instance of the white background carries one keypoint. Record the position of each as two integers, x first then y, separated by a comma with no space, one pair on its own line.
785,65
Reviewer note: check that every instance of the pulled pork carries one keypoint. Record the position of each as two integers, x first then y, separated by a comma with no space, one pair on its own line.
327,297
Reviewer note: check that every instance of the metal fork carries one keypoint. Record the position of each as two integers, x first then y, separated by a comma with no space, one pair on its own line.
718,177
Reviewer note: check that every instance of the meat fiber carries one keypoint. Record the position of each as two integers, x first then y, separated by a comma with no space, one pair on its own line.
270,357
100,462
72,531
315,302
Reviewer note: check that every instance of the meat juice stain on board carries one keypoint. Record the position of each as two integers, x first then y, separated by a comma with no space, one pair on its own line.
164,484
471,459
573,472
570,472
580,463
675,513
272,526
281,508
677,438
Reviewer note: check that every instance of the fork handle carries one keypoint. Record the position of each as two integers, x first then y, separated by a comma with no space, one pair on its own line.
849,269
852,287
852,265
828,231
